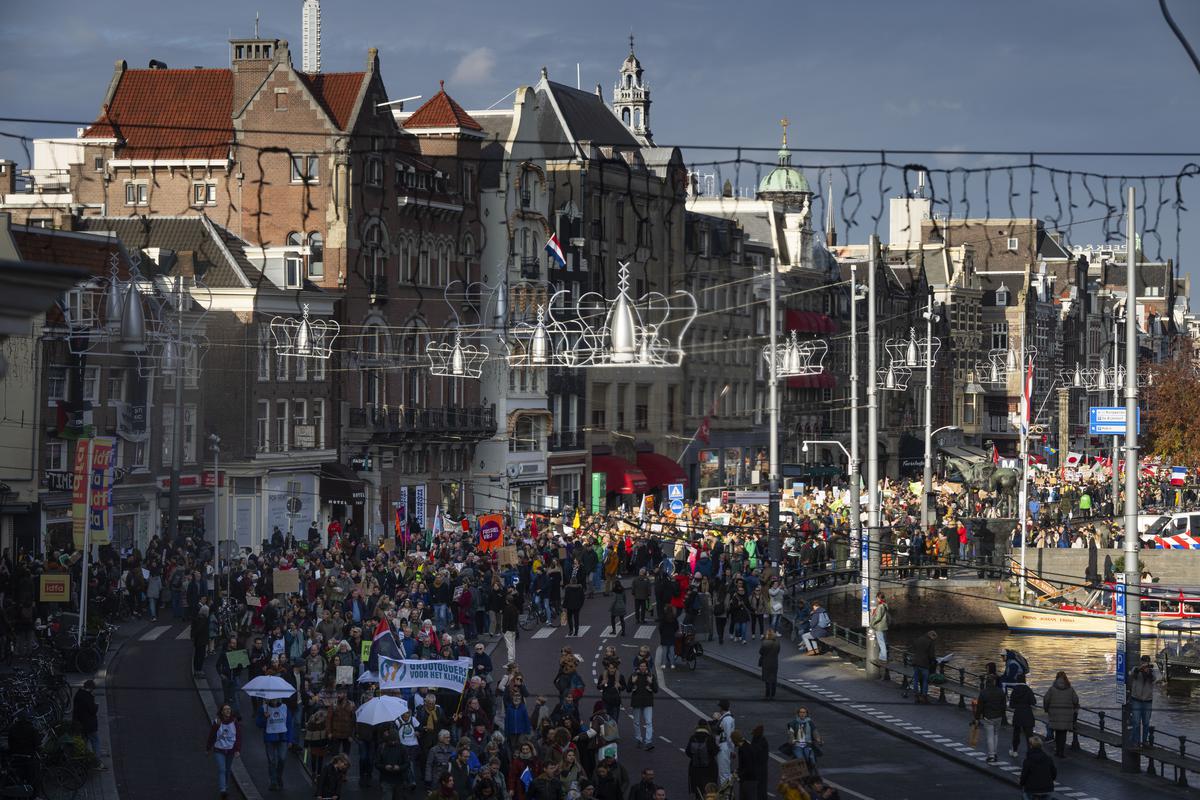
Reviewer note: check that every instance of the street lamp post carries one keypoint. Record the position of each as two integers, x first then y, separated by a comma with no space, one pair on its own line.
774,546
855,478
215,443
1129,639
870,579
927,473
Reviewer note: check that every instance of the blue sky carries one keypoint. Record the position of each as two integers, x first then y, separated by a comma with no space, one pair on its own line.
942,75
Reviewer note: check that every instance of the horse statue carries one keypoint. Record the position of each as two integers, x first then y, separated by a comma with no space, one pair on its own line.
984,475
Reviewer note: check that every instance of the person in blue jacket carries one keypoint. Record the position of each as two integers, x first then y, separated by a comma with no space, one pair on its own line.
275,718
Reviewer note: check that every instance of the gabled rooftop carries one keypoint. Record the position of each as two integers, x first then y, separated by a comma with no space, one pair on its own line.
441,111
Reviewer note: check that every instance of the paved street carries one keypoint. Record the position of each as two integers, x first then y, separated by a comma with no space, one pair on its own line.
157,721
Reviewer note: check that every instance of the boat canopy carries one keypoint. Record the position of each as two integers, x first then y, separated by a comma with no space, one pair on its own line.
1180,625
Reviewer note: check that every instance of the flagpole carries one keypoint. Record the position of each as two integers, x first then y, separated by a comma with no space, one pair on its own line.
1023,498
711,413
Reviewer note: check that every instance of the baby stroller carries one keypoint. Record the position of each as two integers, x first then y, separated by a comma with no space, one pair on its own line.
687,647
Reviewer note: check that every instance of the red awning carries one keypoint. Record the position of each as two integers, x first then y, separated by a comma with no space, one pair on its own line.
660,470
808,322
823,381
620,476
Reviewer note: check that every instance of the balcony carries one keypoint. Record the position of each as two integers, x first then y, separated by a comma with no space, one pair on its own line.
531,269
566,440
471,421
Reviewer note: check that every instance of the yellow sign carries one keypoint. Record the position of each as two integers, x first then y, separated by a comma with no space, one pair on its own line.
54,587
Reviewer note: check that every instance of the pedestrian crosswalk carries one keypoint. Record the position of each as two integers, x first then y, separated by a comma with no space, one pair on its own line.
186,633
644,632
154,633
549,630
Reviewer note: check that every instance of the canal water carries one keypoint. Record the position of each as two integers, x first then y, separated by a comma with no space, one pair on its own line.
1087,660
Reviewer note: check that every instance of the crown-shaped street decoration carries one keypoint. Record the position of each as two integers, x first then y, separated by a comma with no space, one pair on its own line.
911,353
1101,380
537,343
621,332
795,358
110,316
1003,363
894,378
456,360
304,337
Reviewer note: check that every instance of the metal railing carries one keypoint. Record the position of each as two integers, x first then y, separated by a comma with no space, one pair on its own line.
478,419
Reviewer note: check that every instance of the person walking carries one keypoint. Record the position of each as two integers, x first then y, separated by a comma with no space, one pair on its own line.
989,713
641,595
86,714
224,742
881,620
643,685
725,726
668,626
199,634
768,662
573,598
701,750
616,609
1038,772
1061,704
747,768
1141,700
510,617
1022,702
924,659
273,717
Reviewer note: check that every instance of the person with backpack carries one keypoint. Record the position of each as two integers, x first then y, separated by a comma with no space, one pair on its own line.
701,750
723,724
819,624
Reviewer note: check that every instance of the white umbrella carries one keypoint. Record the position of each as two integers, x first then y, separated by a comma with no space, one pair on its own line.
269,687
368,677
381,710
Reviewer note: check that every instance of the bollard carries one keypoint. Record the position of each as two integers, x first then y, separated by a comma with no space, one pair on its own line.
1103,754
1180,772
1150,753
962,697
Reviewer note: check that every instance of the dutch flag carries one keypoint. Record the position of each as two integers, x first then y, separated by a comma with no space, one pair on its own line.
555,250
1179,476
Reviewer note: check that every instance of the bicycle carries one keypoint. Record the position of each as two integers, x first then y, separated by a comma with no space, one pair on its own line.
533,616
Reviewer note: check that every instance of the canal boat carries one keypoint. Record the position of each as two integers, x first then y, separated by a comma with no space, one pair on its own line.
1178,656
1097,615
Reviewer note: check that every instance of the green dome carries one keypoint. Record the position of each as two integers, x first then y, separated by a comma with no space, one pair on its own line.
784,178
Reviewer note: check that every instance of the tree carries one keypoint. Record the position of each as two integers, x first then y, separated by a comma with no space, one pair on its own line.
1172,409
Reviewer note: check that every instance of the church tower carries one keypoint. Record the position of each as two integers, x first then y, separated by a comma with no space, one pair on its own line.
631,98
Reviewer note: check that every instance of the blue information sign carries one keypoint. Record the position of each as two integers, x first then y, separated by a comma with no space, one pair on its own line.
1109,421
677,507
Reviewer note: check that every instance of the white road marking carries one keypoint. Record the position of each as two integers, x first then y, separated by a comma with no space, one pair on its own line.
184,634
154,633
583,629
644,632
544,633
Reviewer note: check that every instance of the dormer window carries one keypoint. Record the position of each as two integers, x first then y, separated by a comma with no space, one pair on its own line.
1002,295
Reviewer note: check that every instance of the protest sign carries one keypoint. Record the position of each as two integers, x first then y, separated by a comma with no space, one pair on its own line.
395,673
366,652
507,555
286,581
54,587
345,676
237,658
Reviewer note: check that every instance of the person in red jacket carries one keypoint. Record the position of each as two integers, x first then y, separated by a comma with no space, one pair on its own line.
224,742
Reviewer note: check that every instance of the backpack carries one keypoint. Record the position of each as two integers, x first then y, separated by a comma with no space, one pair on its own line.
698,753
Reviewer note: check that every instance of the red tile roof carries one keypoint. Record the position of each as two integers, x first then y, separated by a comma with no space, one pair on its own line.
170,113
336,92
440,111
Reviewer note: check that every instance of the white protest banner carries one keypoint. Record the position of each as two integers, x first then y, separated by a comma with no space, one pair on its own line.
395,673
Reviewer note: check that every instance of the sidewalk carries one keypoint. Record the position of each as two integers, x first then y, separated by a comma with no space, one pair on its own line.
943,728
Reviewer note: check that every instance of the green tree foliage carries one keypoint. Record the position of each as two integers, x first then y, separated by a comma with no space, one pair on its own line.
1172,412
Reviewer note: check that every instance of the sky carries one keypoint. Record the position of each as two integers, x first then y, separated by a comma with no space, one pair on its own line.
936,75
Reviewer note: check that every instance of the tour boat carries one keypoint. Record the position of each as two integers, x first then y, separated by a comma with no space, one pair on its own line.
1179,655
1098,617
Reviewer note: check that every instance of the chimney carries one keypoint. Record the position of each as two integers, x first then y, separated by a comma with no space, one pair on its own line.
251,60
8,177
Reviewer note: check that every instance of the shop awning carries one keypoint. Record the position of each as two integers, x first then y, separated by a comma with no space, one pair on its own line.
823,381
808,322
660,470
620,476
340,483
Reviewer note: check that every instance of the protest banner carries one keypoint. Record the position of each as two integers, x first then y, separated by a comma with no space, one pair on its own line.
491,532
395,673
507,555
286,581
237,658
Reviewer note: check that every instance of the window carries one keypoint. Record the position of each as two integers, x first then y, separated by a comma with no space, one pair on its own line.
264,354
318,420
318,369
293,263
620,221
116,385
404,249
525,435
423,267
300,419
281,100
301,369
136,193
671,400
98,163
56,384
374,171
304,169
56,456
443,266
281,367
599,403
135,455
641,407
316,256
281,426
999,335
263,426
622,391
189,434
468,182
1002,295
1013,244
204,194
91,385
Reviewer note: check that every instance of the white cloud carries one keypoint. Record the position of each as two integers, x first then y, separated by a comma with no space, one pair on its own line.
475,67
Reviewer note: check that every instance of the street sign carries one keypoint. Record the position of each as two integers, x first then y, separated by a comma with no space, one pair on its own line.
864,554
677,507
675,491
1121,619
1109,421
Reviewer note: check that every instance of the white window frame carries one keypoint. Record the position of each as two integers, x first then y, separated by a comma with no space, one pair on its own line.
318,418
118,378
374,171
91,385
299,413
1014,244
300,371
316,245
293,270
204,194
264,354
282,429
57,384
262,427
56,455
281,367
318,370
423,267
305,169
140,195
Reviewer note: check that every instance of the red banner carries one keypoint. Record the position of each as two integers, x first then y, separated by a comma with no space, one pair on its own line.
491,532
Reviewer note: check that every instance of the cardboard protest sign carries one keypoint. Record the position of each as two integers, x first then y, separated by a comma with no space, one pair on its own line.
507,555
237,658
286,581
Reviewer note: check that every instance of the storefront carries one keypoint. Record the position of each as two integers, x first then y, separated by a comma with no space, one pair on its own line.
343,494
